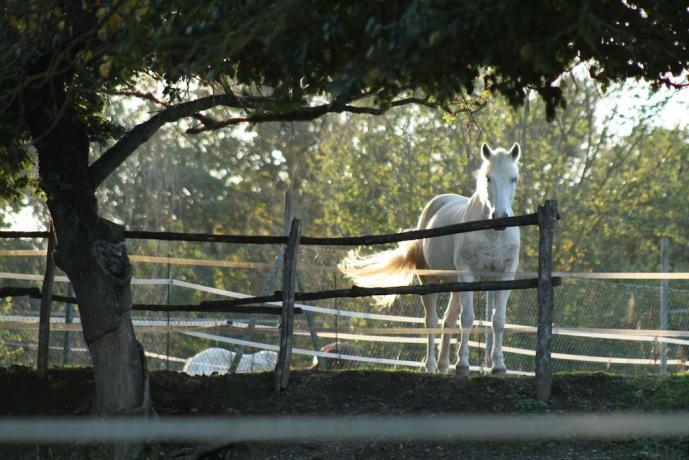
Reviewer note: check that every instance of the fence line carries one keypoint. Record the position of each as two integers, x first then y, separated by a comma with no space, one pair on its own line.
642,335
76,327
544,219
357,291
364,334
149,354
483,345
320,268
189,330
516,221
302,351
639,335
64,279
588,359
310,308
138,322
474,344
407,428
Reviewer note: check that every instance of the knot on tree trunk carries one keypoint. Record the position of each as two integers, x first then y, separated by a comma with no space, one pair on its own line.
113,260
104,294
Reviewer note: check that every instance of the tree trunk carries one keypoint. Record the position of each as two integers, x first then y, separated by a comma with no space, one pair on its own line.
90,250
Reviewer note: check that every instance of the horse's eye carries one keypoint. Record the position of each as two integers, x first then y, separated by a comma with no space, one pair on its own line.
487,179
514,180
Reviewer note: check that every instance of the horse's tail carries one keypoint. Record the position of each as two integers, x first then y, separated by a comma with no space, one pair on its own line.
394,267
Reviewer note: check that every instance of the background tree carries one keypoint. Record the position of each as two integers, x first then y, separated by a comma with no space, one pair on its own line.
618,189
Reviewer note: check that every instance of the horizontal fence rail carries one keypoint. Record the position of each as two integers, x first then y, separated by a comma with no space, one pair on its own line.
385,335
204,237
465,427
7,234
356,291
420,364
345,357
226,306
465,227
516,221
650,335
250,310
191,262
643,335
239,307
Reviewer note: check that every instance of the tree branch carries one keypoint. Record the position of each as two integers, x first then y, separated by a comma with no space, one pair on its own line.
307,114
118,153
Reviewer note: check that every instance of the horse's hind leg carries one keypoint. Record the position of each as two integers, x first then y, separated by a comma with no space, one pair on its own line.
429,305
450,322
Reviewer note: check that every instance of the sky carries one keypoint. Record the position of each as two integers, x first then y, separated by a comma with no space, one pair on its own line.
24,221
674,114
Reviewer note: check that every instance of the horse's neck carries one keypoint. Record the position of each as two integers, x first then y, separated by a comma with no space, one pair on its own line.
476,209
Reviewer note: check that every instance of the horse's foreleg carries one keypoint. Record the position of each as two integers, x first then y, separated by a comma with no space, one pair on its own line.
429,305
451,315
498,328
467,323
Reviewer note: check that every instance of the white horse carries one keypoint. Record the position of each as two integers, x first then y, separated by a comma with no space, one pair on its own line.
473,256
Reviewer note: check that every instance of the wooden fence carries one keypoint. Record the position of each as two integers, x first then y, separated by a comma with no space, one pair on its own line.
544,218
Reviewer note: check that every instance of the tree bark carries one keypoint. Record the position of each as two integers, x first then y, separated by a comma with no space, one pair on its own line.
90,250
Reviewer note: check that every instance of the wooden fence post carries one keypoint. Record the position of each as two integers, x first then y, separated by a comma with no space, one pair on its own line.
546,226
46,297
287,323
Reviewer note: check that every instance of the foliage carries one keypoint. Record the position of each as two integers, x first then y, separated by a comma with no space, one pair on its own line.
617,193
271,58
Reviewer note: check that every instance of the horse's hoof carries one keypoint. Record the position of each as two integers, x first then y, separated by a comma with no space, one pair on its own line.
432,368
443,370
498,371
462,371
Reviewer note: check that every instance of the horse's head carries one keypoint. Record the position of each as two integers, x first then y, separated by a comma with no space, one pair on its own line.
497,179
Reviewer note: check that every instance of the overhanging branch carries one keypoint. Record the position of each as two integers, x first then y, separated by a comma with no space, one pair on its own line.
118,153
307,114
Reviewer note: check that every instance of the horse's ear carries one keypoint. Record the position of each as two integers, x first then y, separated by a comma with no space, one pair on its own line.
516,151
486,151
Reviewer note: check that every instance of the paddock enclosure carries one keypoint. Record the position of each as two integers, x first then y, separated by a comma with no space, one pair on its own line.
602,322
625,323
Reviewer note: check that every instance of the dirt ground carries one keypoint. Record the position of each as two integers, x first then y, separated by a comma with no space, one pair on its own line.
69,392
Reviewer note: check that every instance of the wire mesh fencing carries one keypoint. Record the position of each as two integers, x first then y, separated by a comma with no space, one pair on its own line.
356,328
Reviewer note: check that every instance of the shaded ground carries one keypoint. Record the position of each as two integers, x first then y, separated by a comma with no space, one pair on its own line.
68,392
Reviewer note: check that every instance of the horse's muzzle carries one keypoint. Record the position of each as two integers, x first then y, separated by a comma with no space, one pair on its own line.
494,216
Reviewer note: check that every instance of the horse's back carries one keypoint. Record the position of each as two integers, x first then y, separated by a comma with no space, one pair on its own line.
442,210
438,252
